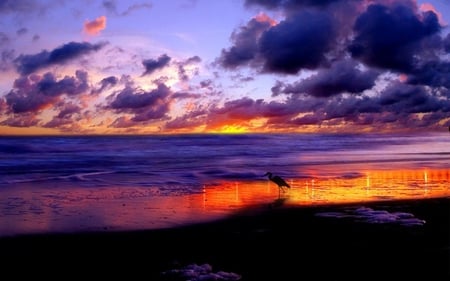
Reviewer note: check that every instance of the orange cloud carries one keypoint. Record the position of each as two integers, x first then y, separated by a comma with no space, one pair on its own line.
261,17
94,27
427,7
403,78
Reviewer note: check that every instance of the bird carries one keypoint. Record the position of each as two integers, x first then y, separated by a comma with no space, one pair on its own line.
278,180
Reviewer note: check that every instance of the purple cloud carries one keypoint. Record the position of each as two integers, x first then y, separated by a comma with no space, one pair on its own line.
13,6
33,93
299,42
106,83
182,73
23,121
49,86
390,36
245,46
341,77
111,6
289,4
27,64
152,65
143,105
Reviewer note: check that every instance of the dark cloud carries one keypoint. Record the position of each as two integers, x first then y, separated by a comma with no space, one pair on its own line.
106,83
245,109
186,122
394,106
22,31
4,39
398,106
184,95
14,6
182,73
192,60
300,41
27,64
434,73
143,105
288,4
152,65
26,97
206,84
58,123
6,59
68,110
122,122
111,6
349,45
34,93
245,42
49,86
65,116
390,36
24,120
410,99
447,43
109,81
341,77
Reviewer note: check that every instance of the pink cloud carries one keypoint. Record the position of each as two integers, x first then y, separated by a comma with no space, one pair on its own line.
427,7
262,17
94,27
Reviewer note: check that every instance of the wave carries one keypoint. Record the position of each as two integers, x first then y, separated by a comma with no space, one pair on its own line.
193,160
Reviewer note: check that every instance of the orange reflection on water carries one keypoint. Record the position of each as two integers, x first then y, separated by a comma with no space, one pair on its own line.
35,209
373,185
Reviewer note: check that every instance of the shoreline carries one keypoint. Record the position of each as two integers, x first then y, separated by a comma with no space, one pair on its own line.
267,242
28,208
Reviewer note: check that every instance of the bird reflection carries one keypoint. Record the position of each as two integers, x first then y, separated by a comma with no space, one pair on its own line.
278,202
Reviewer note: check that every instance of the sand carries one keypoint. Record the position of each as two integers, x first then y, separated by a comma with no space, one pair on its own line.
264,242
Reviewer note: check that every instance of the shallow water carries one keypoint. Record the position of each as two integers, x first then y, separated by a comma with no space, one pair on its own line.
70,184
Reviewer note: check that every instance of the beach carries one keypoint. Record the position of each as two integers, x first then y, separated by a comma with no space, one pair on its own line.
262,242
198,207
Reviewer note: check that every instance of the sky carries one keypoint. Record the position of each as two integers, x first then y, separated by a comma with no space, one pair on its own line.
224,66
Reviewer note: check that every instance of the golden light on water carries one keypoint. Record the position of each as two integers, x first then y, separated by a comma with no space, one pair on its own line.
69,208
373,185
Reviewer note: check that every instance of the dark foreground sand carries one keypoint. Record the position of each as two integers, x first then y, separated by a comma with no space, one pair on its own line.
269,242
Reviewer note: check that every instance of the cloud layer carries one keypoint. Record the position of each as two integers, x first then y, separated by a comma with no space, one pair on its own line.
336,66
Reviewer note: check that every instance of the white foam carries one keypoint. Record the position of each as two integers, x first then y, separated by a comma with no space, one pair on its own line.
204,272
369,215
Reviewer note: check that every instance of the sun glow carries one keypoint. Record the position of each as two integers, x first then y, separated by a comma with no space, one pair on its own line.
232,129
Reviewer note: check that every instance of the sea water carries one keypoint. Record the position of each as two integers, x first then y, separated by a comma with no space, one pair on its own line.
83,183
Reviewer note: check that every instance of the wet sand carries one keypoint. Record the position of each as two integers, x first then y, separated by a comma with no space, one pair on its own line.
30,208
263,242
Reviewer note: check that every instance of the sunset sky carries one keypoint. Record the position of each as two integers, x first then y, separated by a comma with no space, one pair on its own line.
227,66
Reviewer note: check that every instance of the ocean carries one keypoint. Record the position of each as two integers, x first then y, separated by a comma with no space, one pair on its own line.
107,183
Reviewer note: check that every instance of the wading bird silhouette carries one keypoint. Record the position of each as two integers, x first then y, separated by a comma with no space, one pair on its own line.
278,180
